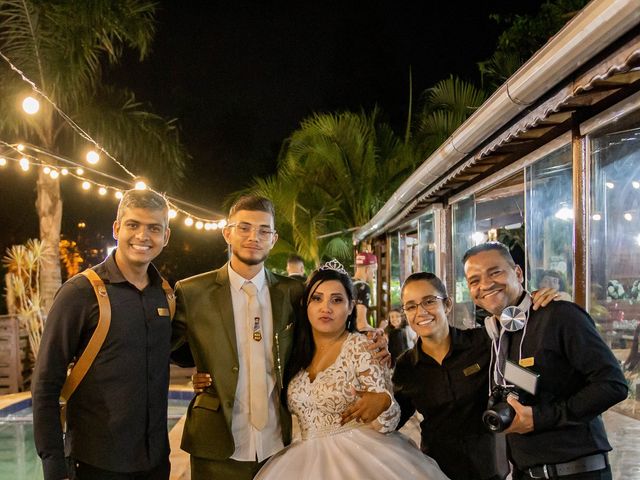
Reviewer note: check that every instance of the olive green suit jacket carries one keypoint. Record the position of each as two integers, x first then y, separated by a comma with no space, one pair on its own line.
204,319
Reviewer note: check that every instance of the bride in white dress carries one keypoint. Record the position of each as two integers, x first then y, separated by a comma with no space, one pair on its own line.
329,368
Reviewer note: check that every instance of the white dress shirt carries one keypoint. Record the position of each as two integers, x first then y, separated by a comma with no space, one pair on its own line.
252,444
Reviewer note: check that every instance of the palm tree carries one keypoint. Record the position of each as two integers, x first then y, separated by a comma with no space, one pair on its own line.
63,47
334,173
446,106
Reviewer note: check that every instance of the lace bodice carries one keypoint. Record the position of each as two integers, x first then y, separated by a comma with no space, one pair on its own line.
319,404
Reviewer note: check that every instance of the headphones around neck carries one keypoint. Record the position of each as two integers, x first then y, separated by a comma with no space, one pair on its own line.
512,318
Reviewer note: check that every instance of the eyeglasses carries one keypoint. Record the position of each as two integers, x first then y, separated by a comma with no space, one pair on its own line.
428,303
245,229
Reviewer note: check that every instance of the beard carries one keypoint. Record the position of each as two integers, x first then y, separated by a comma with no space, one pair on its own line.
251,260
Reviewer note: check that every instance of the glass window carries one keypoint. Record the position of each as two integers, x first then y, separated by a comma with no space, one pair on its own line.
549,221
408,254
394,284
462,240
614,300
427,239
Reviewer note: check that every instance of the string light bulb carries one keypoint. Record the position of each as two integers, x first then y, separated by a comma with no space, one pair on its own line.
54,174
24,164
20,147
92,157
80,171
30,105
118,194
102,191
140,185
64,171
172,213
86,185
46,170
199,225
3,162
222,223
188,221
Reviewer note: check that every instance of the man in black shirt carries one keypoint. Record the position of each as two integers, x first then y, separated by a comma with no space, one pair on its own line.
557,432
117,417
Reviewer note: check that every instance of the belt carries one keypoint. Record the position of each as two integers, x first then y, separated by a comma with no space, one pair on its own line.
589,463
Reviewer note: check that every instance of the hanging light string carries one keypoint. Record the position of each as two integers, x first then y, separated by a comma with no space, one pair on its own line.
191,219
64,116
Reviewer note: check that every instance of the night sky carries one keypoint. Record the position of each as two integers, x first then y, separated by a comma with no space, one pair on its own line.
240,76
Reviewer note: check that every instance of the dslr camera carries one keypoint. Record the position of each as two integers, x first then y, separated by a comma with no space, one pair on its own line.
499,414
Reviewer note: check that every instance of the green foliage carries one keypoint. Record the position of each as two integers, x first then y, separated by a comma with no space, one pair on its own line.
523,36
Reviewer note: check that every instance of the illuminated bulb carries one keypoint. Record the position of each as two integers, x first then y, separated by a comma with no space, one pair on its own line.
80,171
564,213
172,213
610,185
46,170
597,217
64,171
140,185
24,164
199,225
54,174
92,157
635,184
638,239
102,191
188,221
30,105
208,226
3,161
20,147
214,226
222,223
628,217
86,185
118,194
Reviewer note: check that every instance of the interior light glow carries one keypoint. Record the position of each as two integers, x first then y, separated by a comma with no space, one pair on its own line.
564,213
628,217
610,185
478,238
597,217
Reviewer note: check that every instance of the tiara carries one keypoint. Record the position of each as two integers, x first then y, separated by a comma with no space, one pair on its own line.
334,265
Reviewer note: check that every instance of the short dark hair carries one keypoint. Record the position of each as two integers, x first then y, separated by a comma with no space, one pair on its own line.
253,203
499,247
427,277
293,258
147,199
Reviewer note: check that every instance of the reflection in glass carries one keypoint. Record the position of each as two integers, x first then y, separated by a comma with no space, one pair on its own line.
614,231
549,222
463,229
394,287
427,238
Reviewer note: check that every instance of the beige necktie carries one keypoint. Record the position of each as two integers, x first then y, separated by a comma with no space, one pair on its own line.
257,363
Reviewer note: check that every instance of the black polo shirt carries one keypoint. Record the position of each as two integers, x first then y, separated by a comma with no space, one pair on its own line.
117,417
579,379
452,398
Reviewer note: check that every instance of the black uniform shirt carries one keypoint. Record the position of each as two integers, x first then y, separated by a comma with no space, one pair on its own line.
452,398
579,379
117,417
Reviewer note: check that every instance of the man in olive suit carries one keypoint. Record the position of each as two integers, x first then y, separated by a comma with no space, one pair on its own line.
238,322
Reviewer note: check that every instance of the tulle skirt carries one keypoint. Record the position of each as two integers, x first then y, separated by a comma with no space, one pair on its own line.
358,453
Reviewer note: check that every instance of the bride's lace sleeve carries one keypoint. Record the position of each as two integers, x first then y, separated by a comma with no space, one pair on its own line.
373,377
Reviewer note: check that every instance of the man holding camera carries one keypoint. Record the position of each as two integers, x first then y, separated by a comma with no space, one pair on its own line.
571,374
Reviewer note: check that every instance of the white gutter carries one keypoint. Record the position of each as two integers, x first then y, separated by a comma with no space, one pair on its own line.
599,24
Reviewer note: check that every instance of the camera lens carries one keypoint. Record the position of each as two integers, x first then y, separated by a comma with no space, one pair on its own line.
499,417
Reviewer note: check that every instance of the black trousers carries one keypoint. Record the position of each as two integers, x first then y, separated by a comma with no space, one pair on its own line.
604,474
83,471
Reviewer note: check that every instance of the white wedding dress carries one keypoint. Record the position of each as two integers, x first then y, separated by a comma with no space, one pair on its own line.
328,450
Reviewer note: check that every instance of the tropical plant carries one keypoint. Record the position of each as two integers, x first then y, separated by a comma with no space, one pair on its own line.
334,173
63,48
446,106
70,257
24,265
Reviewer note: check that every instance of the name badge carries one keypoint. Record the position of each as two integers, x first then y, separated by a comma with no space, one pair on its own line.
163,312
470,370
526,362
